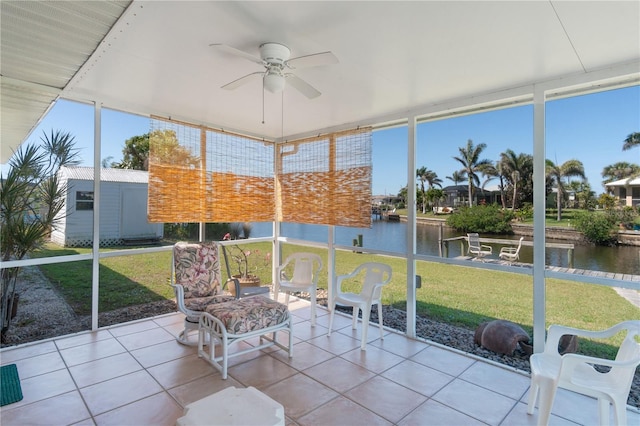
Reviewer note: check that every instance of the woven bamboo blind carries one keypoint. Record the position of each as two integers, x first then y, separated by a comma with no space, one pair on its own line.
198,174
326,180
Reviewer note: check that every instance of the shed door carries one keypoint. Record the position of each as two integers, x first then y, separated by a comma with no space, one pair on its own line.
134,214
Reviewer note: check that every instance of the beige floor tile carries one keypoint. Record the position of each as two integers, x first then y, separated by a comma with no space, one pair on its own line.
305,355
478,402
103,369
299,395
162,352
497,379
418,377
261,372
145,338
337,343
93,351
114,393
339,321
400,345
180,371
339,412
135,327
339,374
519,417
373,359
176,328
165,320
11,354
444,360
63,409
202,387
386,398
82,338
304,331
435,413
39,364
44,386
157,410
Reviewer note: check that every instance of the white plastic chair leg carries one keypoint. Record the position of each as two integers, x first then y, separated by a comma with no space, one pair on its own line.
313,307
365,327
546,394
620,413
333,310
380,321
603,412
354,320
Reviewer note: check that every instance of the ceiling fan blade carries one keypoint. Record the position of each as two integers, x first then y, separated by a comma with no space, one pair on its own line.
315,60
233,51
302,86
242,80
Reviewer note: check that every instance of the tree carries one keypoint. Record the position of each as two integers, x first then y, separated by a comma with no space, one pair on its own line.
135,154
619,170
556,173
632,140
513,168
431,178
31,200
457,177
472,165
166,150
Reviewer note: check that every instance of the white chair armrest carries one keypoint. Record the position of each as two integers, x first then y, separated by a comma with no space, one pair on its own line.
487,248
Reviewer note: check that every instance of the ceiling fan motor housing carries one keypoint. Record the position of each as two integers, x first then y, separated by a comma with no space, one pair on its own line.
274,53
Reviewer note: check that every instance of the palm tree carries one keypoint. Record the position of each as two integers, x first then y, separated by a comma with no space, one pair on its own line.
472,165
31,197
513,167
632,140
619,170
457,177
556,173
431,178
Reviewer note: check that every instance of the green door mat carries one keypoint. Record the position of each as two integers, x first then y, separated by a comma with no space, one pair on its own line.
10,390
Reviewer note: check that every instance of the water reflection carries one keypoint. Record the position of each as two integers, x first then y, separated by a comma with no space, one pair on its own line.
391,236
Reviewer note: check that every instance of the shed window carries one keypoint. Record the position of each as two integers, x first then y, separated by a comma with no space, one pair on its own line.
84,200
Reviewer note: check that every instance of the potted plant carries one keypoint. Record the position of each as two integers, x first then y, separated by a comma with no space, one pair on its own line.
247,263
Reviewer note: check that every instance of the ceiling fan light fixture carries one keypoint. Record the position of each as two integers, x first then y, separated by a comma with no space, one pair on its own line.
274,82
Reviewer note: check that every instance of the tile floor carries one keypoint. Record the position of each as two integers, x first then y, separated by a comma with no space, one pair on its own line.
137,374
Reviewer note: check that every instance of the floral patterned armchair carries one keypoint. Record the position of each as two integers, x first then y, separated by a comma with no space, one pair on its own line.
196,281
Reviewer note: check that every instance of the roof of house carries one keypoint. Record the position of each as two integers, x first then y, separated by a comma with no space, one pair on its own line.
106,175
625,182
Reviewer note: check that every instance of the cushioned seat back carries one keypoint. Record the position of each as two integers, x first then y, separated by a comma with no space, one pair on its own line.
197,268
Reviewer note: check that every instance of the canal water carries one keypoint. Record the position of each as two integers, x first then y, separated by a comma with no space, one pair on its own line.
391,236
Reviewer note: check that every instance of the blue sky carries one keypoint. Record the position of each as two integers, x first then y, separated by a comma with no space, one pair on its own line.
590,128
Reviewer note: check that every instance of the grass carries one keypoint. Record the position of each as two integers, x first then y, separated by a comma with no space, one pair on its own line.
458,295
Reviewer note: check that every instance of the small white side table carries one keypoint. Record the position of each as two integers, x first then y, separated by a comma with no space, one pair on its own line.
234,407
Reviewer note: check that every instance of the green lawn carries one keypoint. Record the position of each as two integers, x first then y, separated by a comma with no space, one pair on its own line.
463,296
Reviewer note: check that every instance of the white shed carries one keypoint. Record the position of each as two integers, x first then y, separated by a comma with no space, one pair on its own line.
123,215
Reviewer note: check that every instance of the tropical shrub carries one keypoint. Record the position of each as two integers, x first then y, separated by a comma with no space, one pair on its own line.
488,219
597,227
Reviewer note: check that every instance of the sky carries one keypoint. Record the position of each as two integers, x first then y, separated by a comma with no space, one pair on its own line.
590,128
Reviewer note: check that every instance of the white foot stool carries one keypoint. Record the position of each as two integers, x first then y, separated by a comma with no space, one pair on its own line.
234,407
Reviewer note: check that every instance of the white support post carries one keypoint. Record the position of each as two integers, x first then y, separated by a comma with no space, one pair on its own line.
331,264
95,263
411,226
539,208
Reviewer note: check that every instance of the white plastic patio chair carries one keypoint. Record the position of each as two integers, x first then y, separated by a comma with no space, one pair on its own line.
306,268
550,370
476,249
374,276
511,254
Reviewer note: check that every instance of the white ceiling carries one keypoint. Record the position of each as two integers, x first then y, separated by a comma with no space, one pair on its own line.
394,57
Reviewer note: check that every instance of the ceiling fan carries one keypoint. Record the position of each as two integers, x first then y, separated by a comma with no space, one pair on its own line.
274,57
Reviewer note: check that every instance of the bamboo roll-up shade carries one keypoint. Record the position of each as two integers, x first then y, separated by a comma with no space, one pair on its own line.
327,180
203,175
